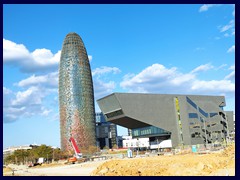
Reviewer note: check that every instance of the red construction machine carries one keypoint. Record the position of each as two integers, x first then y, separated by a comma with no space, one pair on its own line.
78,155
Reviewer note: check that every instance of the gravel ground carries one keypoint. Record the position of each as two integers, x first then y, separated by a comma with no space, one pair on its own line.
220,163
83,169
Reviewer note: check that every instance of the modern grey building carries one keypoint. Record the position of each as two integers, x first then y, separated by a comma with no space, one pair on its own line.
106,132
186,119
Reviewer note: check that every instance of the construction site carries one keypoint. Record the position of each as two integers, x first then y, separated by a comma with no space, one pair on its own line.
183,162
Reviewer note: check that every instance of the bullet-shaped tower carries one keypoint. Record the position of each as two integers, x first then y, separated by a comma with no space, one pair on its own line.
76,99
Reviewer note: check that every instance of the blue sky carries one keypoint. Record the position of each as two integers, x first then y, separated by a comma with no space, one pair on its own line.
169,49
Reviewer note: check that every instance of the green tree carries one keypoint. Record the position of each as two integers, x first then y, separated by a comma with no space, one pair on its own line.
115,146
106,147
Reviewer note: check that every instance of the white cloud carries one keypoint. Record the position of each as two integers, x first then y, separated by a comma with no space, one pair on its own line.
12,50
45,112
228,26
104,70
213,86
102,88
156,78
231,76
232,67
6,91
204,67
50,80
30,101
205,7
89,58
221,66
40,60
231,49
149,75
44,57
24,104
159,79
31,96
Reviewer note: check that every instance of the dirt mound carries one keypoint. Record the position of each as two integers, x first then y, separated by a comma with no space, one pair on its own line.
175,165
229,151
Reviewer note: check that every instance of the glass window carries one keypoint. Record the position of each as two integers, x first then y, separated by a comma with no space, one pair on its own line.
115,113
191,103
203,112
213,114
192,115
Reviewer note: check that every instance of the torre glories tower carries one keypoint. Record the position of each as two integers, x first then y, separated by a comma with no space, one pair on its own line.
76,98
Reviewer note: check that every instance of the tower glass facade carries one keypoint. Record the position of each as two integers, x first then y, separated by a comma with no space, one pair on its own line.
76,99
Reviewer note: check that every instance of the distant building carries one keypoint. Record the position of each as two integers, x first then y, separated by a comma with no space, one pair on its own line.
119,142
10,150
106,132
136,143
129,132
185,119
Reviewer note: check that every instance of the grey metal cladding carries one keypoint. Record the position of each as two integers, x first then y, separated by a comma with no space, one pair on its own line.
156,110
109,103
208,102
230,120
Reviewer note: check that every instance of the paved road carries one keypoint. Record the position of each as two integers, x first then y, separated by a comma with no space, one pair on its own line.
83,169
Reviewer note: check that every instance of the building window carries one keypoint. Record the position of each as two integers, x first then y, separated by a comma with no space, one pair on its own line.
191,103
203,112
115,113
213,114
192,115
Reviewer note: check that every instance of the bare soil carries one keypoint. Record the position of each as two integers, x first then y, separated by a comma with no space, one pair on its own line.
221,163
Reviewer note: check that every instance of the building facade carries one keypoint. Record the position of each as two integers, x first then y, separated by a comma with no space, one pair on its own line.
76,99
185,119
106,132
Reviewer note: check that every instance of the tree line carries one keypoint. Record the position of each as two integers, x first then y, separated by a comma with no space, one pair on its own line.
23,156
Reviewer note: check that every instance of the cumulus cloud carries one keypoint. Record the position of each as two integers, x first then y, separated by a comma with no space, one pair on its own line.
231,49
49,80
31,96
159,79
205,7
102,88
156,79
31,100
40,60
24,104
213,86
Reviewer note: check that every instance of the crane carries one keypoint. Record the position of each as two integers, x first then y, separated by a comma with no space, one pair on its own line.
78,154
